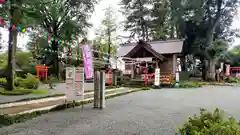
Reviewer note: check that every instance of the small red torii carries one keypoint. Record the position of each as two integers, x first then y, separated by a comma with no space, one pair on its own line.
42,71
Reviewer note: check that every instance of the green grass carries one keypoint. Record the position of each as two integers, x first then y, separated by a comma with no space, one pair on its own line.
40,92
190,84
21,91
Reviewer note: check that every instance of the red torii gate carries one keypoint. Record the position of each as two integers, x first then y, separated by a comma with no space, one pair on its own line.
42,71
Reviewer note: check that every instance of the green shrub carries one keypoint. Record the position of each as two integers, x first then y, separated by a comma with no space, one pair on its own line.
190,84
233,80
19,81
113,87
30,82
208,123
3,81
145,88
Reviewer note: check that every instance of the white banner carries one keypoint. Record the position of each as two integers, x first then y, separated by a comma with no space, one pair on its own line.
157,77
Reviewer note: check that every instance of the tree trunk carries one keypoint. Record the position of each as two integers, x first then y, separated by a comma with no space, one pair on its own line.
211,62
204,68
143,30
183,63
147,34
11,59
56,60
172,32
211,72
56,66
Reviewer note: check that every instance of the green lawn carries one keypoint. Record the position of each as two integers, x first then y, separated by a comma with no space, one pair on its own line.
21,91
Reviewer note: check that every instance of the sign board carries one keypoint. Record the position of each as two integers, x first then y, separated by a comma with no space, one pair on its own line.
75,82
79,81
70,75
87,58
157,77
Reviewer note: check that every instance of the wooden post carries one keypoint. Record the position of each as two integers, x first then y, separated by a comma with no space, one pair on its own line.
96,89
46,73
114,78
37,71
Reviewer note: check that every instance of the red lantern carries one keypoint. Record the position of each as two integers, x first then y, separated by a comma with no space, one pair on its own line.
2,1
49,37
13,27
3,23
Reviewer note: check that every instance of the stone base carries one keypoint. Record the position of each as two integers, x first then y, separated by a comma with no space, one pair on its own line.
156,87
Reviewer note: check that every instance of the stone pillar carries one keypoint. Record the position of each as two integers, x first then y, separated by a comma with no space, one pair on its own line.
132,70
96,103
102,89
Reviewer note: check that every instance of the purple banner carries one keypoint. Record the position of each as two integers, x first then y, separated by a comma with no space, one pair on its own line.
87,58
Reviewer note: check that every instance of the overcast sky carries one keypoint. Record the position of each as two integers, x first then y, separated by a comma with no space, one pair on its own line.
96,18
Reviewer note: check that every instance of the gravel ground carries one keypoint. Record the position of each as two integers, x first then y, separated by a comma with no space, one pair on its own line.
156,112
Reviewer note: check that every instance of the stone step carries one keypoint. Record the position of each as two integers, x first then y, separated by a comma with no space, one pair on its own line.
28,108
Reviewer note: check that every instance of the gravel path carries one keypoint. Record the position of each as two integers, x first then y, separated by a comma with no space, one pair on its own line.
156,112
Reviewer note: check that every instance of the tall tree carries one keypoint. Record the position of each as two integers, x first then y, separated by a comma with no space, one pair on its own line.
138,19
206,23
160,23
106,35
64,20
16,13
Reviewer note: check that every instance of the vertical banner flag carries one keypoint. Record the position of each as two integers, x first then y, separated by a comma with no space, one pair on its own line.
87,58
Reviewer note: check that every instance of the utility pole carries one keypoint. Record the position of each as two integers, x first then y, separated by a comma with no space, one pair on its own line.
109,33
